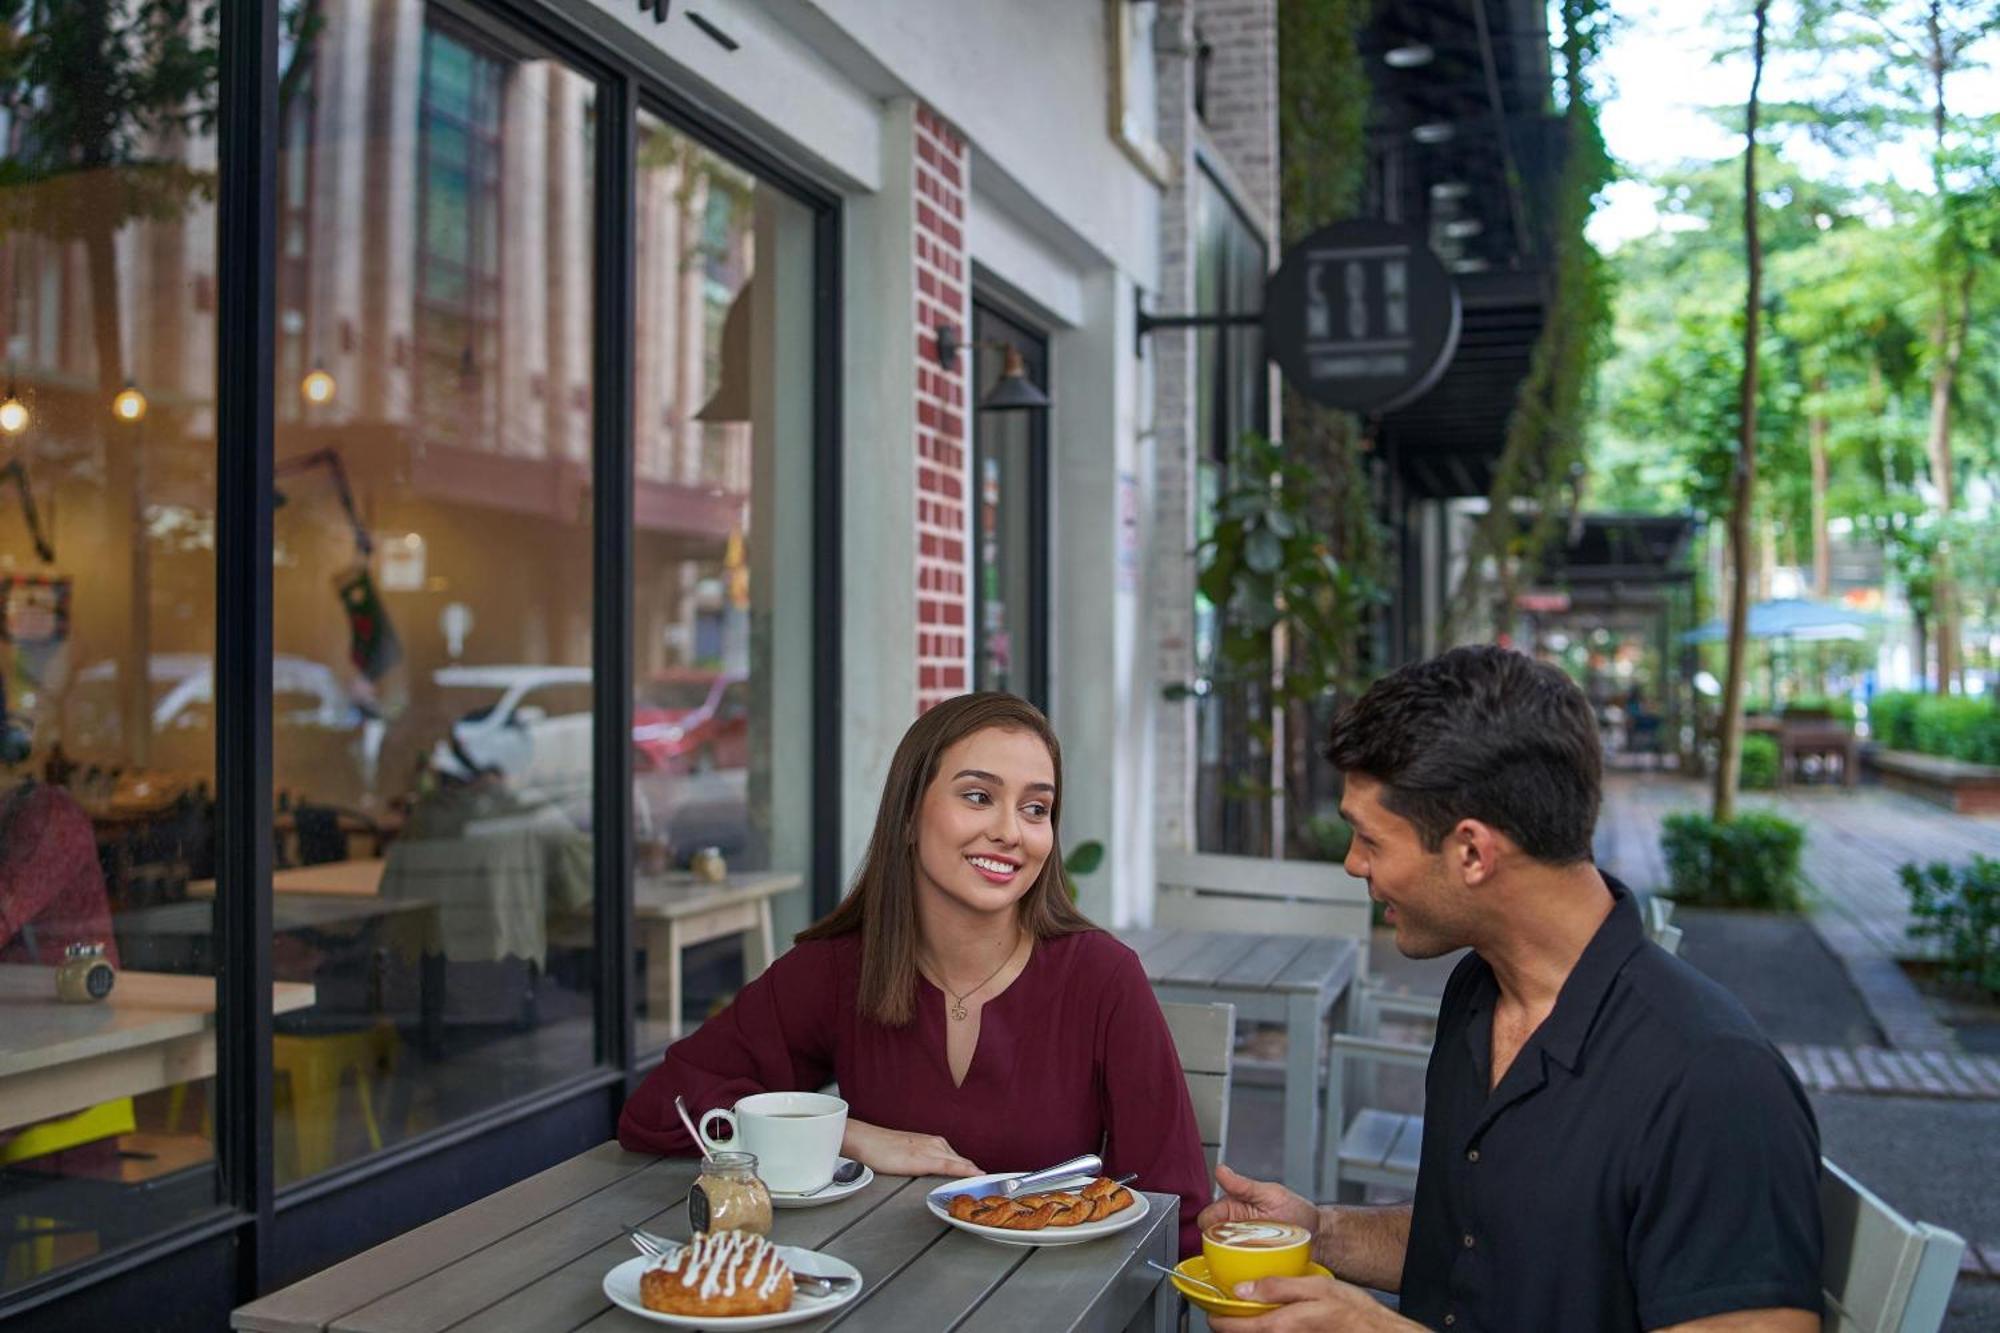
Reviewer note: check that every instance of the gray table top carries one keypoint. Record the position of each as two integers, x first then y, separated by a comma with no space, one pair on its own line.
1258,964
534,1256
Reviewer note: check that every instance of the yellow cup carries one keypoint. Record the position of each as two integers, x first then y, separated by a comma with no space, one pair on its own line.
1245,1251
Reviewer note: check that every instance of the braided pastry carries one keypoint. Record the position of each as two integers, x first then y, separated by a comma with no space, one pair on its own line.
1034,1212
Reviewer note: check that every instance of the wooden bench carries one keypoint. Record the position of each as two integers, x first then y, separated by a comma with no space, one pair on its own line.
1966,789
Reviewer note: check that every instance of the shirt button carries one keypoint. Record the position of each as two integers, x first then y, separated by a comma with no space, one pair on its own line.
1468,1240
1472,1155
1450,1319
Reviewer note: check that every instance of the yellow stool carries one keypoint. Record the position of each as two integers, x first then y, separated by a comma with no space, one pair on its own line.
38,1254
313,1068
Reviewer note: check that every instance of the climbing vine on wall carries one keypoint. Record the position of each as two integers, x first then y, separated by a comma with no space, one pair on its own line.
1542,457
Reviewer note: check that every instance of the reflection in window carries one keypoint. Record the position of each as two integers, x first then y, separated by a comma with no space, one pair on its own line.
432,583
721,613
1232,399
1010,520
107,625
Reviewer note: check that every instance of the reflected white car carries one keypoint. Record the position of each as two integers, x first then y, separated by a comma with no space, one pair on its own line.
530,723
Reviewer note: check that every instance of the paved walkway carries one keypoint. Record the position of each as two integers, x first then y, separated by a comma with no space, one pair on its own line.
1855,841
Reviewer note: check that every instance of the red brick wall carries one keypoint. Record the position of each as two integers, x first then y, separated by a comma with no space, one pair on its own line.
944,597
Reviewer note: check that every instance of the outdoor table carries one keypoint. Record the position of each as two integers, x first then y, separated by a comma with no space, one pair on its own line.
154,1030
359,879
1300,981
675,912
534,1256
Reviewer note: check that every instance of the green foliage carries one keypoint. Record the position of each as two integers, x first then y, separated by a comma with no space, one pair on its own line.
1751,861
1892,719
1759,769
1083,859
1951,726
1540,462
1959,907
1326,837
1819,705
1958,728
1269,569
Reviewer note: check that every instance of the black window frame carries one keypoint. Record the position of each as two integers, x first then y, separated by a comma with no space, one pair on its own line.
258,1238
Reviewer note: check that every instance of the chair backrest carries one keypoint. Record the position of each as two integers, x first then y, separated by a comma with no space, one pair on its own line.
1259,896
1668,938
1882,1273
1204,1036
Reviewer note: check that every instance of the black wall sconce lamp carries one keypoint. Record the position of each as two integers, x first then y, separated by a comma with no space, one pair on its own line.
1013,392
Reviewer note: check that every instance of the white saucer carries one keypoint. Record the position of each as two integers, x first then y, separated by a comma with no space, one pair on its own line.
828,1195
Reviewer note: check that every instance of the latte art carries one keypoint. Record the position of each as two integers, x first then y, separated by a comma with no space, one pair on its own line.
1257,1235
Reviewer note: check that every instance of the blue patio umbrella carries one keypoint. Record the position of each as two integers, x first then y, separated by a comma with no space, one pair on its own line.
1793,618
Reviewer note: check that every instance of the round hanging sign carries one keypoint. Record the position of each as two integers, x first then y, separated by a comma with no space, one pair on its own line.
1361,315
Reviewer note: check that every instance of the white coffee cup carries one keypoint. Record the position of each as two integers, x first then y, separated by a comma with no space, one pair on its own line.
796,1136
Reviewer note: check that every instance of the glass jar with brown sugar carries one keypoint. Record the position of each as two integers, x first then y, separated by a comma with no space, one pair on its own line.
729,1196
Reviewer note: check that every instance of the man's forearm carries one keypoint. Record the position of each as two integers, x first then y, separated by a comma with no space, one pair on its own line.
1364,1246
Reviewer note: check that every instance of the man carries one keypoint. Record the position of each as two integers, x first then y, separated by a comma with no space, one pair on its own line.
1609,1142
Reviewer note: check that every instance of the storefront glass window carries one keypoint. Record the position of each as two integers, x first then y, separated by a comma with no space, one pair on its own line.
1232,399
432,579
107,625
722,623
1010,517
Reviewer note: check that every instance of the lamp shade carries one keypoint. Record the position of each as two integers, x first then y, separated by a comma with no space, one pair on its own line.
1013,392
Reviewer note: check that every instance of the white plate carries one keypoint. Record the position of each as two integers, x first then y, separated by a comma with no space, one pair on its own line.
621,1284
827,1195
1118,1221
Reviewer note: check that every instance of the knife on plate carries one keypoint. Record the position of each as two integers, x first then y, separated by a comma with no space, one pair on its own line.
1082,1170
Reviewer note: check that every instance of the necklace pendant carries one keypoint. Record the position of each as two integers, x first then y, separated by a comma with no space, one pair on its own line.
958,1010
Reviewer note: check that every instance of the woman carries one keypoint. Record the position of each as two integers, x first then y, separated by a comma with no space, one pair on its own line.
973,1018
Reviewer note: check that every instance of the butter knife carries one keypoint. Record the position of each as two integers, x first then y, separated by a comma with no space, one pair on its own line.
1083,1169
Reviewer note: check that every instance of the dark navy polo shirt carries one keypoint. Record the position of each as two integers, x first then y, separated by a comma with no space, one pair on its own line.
1649,1158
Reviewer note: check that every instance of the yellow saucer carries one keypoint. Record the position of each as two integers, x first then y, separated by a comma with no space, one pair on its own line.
1197,1268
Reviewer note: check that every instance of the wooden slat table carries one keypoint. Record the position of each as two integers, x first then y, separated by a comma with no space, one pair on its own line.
1300,981
534,1256
154,1030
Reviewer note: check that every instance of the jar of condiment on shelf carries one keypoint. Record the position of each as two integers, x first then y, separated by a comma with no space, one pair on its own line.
708,866
728,1195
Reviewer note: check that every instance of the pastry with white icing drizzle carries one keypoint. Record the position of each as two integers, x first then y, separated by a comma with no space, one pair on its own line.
719,1273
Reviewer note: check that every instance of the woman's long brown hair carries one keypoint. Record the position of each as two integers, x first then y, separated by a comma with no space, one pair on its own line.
882,906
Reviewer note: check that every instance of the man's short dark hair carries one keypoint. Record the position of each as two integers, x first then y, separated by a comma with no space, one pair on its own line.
1479,733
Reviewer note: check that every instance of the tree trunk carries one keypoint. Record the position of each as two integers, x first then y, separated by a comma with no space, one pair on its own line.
1947,345
1744,480
1822,555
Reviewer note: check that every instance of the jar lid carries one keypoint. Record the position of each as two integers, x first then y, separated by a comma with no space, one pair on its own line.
731,1161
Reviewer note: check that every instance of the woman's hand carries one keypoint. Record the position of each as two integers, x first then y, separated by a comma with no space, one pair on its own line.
895,1152
1245,1200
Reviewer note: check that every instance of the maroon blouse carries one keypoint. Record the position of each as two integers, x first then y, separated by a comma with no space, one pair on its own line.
1073,1057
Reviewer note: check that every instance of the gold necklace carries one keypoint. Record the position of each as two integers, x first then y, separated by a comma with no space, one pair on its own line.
958,1009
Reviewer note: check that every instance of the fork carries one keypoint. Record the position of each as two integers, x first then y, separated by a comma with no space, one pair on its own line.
811,1284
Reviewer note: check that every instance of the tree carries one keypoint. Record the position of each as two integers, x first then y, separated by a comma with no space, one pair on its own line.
1911,50
1744,477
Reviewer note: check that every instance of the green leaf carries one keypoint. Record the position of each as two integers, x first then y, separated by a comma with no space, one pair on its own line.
1263,552
1084,858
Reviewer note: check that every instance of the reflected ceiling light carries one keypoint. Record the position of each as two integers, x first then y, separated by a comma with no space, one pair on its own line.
129,404
1013,391
1410,55
1460,228
1472,265
318,386
13,413
1450,190
1434,132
